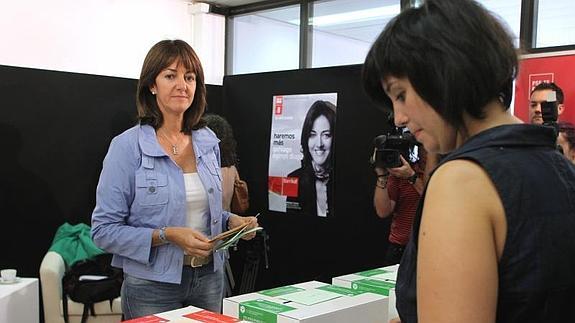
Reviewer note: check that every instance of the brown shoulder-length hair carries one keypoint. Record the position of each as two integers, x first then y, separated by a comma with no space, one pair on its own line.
160,56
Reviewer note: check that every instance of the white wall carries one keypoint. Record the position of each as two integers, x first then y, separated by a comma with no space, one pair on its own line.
104,37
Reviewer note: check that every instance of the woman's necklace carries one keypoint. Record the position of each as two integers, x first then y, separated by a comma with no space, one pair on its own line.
175,150
320,172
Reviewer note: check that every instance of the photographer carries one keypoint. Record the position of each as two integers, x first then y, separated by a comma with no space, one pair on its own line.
397,193
546,105
539,95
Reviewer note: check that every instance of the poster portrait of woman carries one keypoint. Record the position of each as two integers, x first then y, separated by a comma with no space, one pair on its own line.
315,176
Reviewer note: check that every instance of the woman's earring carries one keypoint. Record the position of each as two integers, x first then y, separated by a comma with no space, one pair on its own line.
153,93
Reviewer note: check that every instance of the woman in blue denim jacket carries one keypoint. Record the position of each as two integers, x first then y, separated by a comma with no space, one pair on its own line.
159,197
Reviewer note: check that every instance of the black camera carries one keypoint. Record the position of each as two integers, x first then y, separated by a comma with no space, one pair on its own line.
550,111
389,148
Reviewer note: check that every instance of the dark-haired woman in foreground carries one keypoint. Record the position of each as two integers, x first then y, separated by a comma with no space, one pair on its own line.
494,238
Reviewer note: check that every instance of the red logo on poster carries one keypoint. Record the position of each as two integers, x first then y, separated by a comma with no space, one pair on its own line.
289,186
286,186
536,79
278,106
275,184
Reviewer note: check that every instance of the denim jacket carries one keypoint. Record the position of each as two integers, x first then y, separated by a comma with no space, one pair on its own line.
142,189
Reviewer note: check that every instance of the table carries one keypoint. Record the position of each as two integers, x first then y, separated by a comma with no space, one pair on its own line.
19,301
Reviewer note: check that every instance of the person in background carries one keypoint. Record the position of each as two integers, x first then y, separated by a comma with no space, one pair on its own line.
315,176
224,132
159,199
566,139
397,193
539,94
494,237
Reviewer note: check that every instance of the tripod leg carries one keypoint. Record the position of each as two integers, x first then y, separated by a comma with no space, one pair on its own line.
230,282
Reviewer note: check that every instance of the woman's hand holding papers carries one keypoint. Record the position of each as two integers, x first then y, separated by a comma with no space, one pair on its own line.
236,221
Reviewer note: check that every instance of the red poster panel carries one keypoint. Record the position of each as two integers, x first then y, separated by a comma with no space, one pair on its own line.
534,70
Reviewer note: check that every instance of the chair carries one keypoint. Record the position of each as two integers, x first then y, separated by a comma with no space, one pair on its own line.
51,273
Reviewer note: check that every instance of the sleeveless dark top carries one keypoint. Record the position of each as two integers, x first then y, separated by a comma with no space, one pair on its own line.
536,185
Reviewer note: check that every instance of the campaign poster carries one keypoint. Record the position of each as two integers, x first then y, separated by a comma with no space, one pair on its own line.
301,159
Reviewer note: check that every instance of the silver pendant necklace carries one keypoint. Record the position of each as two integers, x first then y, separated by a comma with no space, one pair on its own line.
175,150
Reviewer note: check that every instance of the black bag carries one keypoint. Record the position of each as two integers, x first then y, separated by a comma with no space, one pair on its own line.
89,291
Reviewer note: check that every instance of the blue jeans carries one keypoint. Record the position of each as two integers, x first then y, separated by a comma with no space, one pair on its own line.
200,287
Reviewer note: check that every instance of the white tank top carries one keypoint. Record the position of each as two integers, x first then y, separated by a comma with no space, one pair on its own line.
197,208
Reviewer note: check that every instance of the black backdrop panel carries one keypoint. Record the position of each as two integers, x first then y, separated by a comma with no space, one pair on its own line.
56,127
303,247
54,132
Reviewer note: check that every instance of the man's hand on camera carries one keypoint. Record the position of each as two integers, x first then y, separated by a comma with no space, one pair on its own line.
403,171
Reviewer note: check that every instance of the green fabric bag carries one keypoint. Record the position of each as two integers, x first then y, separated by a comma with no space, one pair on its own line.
74,243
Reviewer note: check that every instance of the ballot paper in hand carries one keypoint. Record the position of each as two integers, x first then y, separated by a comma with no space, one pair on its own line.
231,237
